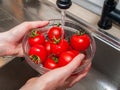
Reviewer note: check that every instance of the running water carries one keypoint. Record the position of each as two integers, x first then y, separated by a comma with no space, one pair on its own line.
63,17
63,21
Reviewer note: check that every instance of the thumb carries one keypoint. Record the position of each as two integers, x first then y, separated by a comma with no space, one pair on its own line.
73,65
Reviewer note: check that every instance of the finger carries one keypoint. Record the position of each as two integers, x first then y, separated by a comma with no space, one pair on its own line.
79,76
64,72
30,25
72,66
32,80
35,24
21,29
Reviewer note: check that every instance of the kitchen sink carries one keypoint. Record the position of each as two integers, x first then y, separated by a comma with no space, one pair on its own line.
104,74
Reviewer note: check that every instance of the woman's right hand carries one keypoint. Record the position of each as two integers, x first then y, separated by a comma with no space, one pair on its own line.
60,77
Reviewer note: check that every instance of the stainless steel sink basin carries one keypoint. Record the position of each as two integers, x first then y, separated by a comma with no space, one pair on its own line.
15,74
104,74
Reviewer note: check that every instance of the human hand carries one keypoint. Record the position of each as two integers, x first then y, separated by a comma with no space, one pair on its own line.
60,77
11,41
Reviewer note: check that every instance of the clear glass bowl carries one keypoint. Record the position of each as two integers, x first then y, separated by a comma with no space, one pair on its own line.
69,27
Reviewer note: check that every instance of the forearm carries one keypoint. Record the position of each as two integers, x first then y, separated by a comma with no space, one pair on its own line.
35,84
5,48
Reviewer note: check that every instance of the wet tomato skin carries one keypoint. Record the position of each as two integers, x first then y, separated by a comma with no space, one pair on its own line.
80,42
51,63
67,57
58,48
55,32
39,51
36,38
48,47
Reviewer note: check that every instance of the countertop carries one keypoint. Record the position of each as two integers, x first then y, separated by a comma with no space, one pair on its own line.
5,60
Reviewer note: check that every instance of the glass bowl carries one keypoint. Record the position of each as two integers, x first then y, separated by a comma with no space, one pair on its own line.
69,28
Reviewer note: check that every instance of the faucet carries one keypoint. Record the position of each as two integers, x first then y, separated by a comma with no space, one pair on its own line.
109,14
64,4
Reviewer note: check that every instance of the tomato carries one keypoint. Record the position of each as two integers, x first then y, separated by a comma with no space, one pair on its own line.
36,38
55,33
51,62
47,46
70,47
59,47
37,54
67,57
80,42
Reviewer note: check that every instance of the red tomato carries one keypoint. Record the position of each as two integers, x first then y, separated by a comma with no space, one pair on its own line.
80,42
55,33
67,57
70,47
48,48
38,53
51,63
36,38
58,48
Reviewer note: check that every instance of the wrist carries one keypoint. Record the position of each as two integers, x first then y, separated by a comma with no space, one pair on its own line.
2,44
